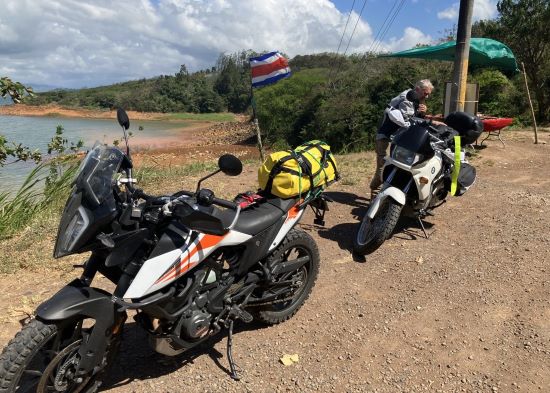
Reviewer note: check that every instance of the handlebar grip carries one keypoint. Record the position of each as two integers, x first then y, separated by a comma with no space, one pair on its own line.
138,193
183,192
224,203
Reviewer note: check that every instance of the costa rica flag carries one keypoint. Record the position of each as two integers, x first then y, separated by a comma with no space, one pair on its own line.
268,68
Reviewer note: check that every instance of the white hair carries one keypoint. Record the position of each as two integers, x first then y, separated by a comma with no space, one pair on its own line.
424,83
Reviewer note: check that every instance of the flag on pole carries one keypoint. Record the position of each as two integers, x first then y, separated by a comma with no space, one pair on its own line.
268,68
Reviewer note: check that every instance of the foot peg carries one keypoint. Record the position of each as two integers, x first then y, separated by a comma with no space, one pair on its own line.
238,313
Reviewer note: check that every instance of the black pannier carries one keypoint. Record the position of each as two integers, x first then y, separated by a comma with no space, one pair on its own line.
466,177
469,127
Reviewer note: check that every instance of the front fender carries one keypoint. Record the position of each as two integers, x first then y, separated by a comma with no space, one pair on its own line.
392,192
74,301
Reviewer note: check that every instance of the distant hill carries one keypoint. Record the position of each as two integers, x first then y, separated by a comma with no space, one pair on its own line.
40,88
183,92
225,87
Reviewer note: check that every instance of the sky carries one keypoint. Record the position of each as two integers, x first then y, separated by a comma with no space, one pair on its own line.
87,43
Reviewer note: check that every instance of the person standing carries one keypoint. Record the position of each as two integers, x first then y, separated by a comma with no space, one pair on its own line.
410,103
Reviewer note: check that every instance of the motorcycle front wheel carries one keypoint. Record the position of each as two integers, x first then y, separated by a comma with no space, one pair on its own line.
373,232
42,358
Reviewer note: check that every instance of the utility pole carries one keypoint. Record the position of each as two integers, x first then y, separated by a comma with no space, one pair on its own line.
462,54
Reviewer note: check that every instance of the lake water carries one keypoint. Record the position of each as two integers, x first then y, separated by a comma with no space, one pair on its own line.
36,132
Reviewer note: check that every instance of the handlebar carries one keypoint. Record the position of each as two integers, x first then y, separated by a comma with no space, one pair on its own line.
216,201
224,203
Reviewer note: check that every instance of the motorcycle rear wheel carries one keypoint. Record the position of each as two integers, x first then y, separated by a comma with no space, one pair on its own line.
372,233
39,359
297,244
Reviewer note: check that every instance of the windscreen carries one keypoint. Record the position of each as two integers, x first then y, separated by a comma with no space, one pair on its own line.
96,173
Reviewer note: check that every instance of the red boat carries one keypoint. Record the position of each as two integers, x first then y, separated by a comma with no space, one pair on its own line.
493,126
496,123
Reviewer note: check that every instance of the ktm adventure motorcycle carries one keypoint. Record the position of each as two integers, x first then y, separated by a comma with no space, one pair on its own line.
187,267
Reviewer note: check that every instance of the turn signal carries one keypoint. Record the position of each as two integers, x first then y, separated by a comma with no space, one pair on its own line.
423,180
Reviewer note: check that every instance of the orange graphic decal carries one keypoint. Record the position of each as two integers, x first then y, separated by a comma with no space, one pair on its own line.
184,265
294,211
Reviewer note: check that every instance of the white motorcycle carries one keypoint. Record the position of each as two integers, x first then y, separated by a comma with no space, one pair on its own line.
424,165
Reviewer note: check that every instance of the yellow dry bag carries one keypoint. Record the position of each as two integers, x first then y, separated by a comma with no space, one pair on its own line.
291,173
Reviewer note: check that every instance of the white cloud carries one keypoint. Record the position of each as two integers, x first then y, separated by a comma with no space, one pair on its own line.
411,37
483,9
75,43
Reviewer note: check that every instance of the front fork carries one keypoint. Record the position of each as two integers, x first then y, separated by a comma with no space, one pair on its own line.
78,301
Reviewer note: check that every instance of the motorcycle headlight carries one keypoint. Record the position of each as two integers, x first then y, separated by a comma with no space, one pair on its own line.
72,233
405,156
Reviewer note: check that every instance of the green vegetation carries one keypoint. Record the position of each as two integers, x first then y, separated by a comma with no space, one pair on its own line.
39,199
45,189
340,99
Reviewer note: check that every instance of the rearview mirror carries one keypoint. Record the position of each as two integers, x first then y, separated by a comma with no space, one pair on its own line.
122,118
230,165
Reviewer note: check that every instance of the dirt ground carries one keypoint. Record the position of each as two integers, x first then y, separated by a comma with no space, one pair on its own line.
466,310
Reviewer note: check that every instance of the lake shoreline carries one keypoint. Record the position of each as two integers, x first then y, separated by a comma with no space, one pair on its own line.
82,113
189,137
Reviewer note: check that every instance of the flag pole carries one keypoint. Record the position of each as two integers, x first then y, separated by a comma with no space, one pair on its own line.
256,124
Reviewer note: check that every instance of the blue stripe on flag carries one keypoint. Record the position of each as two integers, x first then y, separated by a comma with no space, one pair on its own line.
262,57
273,79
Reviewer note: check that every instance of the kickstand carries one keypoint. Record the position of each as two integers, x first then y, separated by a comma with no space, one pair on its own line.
232,365
422,226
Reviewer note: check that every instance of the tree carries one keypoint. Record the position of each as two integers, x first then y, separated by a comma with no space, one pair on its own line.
233,81
522,25
15,91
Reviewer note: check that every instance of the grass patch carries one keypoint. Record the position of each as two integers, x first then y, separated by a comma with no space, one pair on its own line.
37,198
29,217
354,168
202,116
156,179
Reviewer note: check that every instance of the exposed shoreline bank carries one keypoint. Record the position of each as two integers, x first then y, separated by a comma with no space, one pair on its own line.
196,139
56,110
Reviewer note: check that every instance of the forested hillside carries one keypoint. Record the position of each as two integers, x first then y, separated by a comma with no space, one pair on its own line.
341,98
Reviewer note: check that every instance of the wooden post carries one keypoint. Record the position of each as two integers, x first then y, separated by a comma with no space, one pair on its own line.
256,124
462,55
530,103
258,134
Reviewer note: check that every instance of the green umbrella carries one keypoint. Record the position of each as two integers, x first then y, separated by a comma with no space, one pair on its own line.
483,52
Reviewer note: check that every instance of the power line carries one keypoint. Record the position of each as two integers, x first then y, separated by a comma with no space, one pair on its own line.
345,27
355,27
382,26
382,31
352,33
341,39
401,4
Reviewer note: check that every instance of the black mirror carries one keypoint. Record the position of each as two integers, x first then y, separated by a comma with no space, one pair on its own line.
122,118
230,165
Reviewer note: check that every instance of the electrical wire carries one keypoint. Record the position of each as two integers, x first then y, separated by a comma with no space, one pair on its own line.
341,39
351,36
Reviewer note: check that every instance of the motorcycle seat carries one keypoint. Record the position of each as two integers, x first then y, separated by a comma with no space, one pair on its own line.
260,216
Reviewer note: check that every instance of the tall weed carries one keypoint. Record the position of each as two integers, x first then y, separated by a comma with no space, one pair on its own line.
42,194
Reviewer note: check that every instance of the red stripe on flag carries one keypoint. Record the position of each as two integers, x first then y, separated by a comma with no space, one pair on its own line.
267,69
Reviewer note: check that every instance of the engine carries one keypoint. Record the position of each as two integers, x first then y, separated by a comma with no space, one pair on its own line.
194,324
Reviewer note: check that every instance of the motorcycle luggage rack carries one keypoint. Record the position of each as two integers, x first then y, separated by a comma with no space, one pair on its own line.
318,204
